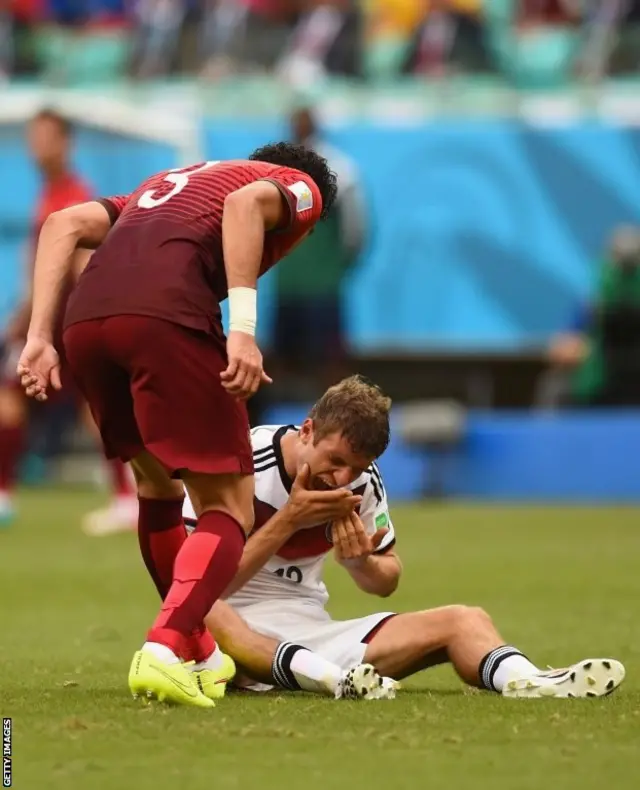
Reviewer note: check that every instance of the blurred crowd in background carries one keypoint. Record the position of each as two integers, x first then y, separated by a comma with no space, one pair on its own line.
527,42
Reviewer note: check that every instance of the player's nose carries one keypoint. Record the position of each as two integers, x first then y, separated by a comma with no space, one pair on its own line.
342,478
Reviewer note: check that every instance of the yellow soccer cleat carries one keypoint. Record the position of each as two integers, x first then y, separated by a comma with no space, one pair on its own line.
213,682
150,678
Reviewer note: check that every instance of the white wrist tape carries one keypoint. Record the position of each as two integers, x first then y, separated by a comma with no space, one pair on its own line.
243,310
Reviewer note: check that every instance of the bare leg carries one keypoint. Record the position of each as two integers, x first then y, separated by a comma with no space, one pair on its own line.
409,643
252,652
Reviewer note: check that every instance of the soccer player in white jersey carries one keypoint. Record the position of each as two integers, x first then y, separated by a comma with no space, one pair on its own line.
274,622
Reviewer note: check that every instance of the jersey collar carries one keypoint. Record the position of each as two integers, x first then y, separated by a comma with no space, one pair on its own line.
287,482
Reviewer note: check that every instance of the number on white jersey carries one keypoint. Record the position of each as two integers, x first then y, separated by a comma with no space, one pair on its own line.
293,573
178,178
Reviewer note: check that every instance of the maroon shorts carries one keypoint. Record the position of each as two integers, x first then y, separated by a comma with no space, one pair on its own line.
153,385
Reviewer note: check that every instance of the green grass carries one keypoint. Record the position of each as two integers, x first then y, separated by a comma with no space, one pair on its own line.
562,584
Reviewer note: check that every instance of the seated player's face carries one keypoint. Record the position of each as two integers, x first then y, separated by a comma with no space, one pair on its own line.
333,463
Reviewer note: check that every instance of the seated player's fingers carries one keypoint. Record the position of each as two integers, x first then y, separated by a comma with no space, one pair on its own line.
355,545
343,540
349,503
264,379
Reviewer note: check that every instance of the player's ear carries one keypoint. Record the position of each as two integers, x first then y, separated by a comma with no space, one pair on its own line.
306,431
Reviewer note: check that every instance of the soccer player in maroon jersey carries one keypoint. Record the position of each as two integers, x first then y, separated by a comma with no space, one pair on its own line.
145,343
50,140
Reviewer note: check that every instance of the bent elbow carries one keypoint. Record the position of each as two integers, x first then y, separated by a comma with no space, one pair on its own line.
389,589
63,223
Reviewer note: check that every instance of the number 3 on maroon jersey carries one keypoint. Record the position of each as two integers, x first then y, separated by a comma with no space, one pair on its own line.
179,178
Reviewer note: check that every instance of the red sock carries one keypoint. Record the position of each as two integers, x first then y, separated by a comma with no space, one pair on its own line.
203,569
121,478
11,448
161,533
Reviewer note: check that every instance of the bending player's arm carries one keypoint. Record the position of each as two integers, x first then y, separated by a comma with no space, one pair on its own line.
304,508
248,214
63,232
85,225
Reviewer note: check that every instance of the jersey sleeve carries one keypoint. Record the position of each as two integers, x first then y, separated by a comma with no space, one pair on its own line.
302,197
114,205
374,511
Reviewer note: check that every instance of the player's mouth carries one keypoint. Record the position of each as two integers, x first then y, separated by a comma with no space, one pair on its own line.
319,484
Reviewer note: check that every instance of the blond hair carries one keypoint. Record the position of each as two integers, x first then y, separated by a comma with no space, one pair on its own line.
359,410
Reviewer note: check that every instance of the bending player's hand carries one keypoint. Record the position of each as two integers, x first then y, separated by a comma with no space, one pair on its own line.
244,373
39,368
309,508
351,544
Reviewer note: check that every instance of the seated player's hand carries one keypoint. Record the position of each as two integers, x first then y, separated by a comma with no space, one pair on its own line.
309,508
351,544
244,373
39,368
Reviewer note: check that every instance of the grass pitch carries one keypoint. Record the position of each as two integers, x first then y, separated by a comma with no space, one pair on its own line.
562,584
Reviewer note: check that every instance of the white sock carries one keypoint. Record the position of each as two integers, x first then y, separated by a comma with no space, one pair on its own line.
5,501
213,662
508,665
294,667
161,652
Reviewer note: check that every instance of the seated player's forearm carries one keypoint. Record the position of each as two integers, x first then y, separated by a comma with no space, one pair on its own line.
377,575
54,258
261,546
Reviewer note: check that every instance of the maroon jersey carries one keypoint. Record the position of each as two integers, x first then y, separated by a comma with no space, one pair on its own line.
163,256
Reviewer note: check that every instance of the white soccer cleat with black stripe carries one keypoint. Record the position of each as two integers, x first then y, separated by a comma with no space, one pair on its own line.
593,677
363,682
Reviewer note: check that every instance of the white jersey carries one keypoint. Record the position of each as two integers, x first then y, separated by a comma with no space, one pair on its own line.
296,571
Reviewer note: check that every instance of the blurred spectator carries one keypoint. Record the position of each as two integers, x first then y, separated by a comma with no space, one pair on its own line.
450,35
6,40
326,40
158,28
309,329
597,361
240,35
625,38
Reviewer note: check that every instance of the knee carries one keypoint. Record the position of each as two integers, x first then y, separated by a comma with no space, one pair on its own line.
151,489
230,494
227,627
152,481
465,618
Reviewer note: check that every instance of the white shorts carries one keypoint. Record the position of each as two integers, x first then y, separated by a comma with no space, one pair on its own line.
308,624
